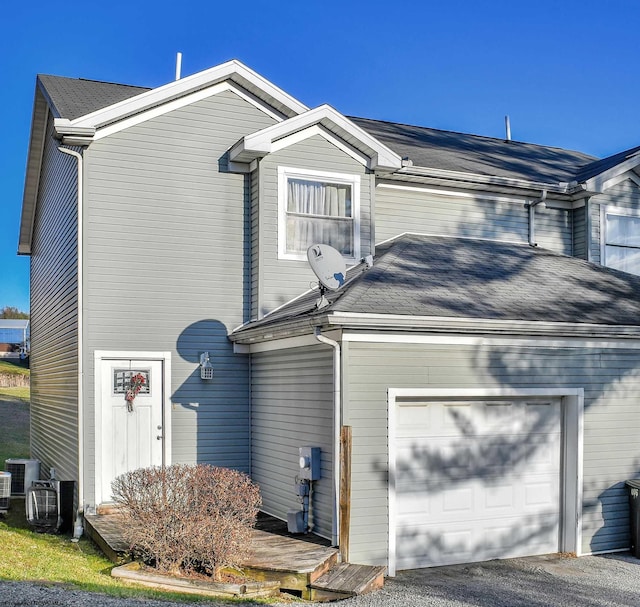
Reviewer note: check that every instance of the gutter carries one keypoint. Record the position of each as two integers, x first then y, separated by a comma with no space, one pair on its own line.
77,529
532,215
432,324
337,400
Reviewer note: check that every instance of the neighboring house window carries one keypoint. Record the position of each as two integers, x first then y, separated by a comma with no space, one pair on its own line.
622,239
318,207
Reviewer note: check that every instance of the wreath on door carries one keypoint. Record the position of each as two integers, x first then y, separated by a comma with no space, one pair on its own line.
136,382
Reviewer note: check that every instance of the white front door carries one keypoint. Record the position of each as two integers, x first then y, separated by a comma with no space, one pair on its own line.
131,433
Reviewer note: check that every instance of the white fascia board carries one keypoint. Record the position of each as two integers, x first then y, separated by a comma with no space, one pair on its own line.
233,70
558,188
262,142
481,325
599,183
445,328
483,341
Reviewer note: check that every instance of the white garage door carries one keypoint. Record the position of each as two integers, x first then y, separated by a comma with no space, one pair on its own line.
476,481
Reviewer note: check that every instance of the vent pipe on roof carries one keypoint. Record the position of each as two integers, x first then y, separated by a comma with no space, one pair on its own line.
507,126
178,65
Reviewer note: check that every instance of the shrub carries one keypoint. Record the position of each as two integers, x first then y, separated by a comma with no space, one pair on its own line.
189,519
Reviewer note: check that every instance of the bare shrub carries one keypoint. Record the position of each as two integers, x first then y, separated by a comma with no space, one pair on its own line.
186,518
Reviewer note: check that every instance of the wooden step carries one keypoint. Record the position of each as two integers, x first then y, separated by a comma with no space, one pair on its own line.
346,580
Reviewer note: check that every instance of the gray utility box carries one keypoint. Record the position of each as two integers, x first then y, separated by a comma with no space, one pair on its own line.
634,515
309,463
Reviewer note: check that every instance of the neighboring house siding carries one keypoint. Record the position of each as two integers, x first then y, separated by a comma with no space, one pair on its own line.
624,195
284,279
54,316
168,266
611,382
292,407
475,215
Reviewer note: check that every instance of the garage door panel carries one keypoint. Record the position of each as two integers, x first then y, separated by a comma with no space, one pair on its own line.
489,489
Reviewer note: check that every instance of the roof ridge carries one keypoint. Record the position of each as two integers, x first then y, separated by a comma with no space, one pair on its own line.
488,137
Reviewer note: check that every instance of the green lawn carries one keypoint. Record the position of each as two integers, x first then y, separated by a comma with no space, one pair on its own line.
14,365
46,558
14,423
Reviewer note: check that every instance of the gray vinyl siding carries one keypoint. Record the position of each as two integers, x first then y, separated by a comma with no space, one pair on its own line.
625,195
167,266
282,279
54,316
255,241
611,382
579,232
423,211
292,407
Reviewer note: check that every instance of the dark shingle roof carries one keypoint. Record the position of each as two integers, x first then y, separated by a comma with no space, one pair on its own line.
73,97
452,151
428,148
436,276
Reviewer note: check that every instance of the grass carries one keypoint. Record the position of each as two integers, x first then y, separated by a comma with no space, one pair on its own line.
14,423
14,365
55,559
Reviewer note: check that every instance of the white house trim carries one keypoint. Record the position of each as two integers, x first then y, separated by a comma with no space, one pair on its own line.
599,183
99,356
175,105
481,341
284,173
607,209
234,70
261,142
572,460
317,129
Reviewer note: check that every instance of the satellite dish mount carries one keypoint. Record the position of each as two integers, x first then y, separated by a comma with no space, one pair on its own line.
329,266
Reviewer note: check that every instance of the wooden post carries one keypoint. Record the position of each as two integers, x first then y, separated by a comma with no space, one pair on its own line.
345,491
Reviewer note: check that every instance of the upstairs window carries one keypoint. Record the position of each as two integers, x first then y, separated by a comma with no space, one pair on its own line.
318,207
622,240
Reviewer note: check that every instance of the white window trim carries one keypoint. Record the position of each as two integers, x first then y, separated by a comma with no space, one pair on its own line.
285,173
610,210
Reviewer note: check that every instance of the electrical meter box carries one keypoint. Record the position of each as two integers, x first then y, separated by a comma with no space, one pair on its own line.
309,463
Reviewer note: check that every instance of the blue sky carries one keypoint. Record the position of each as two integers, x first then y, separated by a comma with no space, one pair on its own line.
564,71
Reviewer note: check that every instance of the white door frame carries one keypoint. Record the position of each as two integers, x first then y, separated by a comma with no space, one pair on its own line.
99,356
572,400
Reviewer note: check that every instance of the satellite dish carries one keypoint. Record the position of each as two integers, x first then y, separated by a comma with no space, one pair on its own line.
328,265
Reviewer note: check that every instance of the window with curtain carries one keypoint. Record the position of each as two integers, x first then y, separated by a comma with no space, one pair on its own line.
622,245
317,209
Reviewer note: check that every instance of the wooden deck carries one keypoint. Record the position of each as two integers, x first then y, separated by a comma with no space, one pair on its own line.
301,563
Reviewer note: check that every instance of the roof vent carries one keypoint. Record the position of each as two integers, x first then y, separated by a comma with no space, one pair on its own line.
178,66
507,126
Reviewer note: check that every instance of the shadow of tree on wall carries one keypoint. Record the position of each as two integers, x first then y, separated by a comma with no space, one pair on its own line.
510,282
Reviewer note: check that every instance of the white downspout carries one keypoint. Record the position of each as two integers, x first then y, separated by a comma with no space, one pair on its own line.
335,528
532,226
77,529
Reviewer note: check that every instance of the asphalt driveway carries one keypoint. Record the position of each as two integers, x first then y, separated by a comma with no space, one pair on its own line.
593,581
602,581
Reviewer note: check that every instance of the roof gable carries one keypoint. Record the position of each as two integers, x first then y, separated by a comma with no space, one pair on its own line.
353,138
234,71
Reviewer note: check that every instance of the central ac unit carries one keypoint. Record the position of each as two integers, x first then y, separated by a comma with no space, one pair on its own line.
23,473
5,491
42,505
